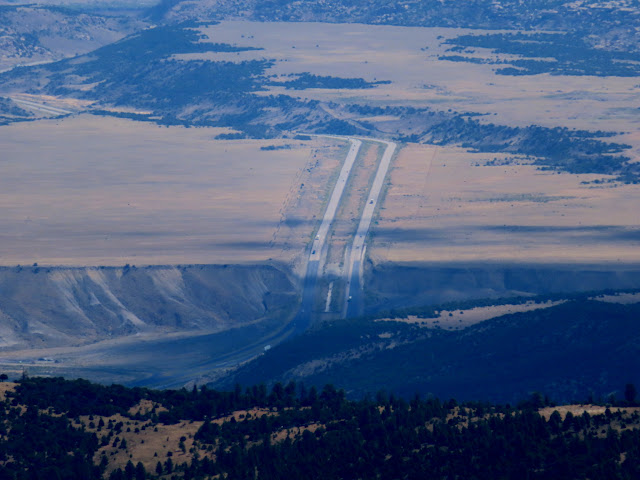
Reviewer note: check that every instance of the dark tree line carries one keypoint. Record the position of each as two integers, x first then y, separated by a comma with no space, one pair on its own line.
299,432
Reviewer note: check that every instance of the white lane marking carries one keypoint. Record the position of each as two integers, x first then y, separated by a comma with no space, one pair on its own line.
328,305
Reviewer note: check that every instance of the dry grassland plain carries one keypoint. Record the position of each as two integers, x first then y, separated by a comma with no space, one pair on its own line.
445,204
408,58
460,319
90,190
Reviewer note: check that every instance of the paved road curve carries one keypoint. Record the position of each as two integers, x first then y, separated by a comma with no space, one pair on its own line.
43,108
353,300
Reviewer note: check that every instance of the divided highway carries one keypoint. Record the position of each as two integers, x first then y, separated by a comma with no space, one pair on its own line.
318,247
315,264
353,301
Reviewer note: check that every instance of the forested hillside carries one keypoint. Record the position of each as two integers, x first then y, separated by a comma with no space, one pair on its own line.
576,349
52,428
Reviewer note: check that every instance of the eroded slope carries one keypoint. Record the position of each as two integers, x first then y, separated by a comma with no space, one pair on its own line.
60,307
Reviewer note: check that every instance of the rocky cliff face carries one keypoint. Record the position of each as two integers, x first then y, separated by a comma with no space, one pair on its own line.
392,286
47,307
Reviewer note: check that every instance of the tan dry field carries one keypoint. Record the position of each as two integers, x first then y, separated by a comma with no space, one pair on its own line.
121,197
408,57
90,190
461,319
6,387
445,205
145,442
620,298
151,443
581,409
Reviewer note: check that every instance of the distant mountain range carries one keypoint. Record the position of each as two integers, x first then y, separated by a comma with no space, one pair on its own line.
606,25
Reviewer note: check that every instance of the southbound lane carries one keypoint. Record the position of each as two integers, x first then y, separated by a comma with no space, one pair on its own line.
315,265
353,300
